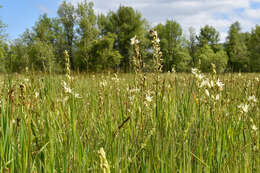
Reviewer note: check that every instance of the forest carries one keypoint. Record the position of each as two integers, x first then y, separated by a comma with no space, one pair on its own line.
98,43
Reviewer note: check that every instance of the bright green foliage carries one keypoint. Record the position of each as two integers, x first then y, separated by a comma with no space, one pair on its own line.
174,55
88,32
192,45
50,126
125,23
43,29
237,49
18,58
41,56
103,56
3,45
209,36
254,47
205,56
67,16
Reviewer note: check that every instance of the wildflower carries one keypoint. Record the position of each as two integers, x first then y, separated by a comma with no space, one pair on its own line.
207,92
252,98
254,127
36,94
134,41
103,161
103,83
217,97
76,95
219,84
204,83
244,107
66,88
148,98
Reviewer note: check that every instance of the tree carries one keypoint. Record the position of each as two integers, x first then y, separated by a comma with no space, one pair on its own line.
237,49
88,32
209,36
205,56
18,58
254,47
174,54
103,56
67,15
125,23
3,45
192,44
41,56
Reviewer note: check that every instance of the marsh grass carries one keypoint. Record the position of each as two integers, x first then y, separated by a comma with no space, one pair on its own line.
45,129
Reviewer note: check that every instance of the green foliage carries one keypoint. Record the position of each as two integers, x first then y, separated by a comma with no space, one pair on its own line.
108,122
18,58
88,32
103,56
41,56
174,55
254,47
205,56
125,23
209,36
237,49
67,16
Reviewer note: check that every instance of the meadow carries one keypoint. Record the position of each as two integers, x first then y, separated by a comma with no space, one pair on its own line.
139,122
171,122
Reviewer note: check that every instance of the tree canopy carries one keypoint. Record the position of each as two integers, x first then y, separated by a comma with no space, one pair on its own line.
102,42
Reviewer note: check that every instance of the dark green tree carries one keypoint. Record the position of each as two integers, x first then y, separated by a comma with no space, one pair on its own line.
174,53
67,16
254,49
205,56
87,31
125,23
209,36
237,49
103,56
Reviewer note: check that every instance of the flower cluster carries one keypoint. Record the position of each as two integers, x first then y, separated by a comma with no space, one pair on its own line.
248,104
137,60
68,90
212,87
157,52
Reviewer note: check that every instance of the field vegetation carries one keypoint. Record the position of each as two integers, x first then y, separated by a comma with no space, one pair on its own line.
141,122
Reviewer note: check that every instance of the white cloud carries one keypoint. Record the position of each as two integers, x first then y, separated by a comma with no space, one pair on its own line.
196,13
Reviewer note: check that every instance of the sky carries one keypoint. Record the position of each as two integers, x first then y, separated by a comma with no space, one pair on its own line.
22,14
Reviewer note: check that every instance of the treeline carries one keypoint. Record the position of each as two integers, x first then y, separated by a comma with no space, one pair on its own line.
102,42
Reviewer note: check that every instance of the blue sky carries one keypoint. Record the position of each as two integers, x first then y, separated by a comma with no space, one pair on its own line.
22,14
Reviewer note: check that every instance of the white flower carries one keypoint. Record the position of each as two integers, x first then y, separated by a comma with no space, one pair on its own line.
211,84
244,107
217,97
148,98
252,98
134,40
66,88
254,127
103,83
207,92
158,40
220,84
204,83
200,76
36,94
194,71
76,95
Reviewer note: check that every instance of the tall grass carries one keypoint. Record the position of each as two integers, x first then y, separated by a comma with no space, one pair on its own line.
130,122
45,129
